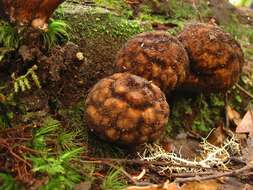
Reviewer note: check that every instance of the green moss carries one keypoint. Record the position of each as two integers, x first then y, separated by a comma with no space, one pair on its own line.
74,117
241,32
248,52
109,26
210,113
7,182
181,107
118,6
97,22
200,113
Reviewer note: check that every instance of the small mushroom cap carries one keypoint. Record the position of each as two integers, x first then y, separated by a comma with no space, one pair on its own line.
216,59
126,109
156,56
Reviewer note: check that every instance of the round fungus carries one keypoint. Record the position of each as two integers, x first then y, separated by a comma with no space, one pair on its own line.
216,59
156,56
126,109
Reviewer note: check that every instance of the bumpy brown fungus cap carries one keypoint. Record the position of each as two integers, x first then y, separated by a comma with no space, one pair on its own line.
156,56
216,59
126,109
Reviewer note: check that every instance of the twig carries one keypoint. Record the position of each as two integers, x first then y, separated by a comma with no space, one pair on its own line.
226,111
138,162
216,175
19,158
29,149
184,175
244,90
16,129
109,163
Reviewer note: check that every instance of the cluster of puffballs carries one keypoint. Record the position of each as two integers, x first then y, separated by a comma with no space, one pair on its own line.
130,107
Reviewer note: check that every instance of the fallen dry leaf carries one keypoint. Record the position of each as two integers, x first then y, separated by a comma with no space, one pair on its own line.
186,146
171,186
232,183
233,116
166,186
167,144
203,185
83,186
248,187
246,125
150,187
218,136
247,152
2,98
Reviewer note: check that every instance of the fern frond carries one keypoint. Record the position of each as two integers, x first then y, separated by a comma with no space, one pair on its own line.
52,161
63,182
49,165
58,170
66,140
7,182
49,125
68,155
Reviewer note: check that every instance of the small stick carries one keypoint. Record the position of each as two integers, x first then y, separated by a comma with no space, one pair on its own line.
244,90
19,158
138,162
16,129
112,166
183,175
226,111
216,175
29,149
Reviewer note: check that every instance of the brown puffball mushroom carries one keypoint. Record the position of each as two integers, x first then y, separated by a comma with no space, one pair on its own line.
216,59
126,109
156,56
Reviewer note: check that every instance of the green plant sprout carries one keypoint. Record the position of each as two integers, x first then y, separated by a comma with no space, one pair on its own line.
9,37
56,33
113,181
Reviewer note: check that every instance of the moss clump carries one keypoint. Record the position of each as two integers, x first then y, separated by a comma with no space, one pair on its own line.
201,114
110,26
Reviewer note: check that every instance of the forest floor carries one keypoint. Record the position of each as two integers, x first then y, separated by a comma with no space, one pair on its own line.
44,140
